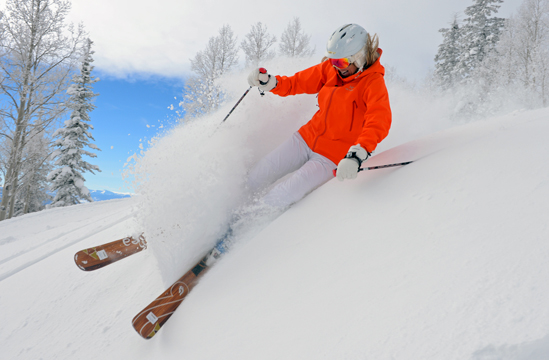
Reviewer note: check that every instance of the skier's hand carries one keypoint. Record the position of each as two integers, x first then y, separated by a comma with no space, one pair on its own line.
261,79
349,165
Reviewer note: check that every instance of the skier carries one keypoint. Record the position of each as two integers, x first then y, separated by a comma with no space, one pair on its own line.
354,116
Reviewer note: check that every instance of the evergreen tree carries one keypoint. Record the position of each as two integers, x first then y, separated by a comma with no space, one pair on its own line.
67,179
447,72
480,34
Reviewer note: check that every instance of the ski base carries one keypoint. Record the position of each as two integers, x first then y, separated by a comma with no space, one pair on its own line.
103,255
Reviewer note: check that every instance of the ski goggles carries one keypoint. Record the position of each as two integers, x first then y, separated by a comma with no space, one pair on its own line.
341,63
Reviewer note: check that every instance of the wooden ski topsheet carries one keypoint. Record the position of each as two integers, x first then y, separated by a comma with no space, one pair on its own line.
103,255
149,321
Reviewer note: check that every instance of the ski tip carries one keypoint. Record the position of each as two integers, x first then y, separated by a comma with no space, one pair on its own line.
143,332
82,263
81,267
77,262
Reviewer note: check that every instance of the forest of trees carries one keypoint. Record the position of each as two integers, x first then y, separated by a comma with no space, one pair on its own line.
40,58
484,62
46,84
488,60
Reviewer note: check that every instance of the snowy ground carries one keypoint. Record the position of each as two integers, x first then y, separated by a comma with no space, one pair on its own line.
446,258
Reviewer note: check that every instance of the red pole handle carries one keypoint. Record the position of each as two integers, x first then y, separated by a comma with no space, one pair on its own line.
262,71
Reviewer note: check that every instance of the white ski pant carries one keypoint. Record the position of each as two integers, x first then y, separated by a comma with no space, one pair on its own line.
310,170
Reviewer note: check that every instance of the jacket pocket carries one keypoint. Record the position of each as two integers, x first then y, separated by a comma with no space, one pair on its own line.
354,106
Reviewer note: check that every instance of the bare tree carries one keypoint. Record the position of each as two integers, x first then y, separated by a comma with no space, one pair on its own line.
33,191
1,26
37,58
533,52
504,62
257,45
294,42
522,57
202,95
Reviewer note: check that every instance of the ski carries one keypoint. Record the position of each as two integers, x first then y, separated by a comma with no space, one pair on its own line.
103,255
149,321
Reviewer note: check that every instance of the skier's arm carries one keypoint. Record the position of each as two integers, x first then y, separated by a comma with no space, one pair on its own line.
308,81
377,119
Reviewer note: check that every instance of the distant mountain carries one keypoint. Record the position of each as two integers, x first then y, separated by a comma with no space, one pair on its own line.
100,195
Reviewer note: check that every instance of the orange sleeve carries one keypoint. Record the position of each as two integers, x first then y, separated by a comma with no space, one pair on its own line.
377,119
308,81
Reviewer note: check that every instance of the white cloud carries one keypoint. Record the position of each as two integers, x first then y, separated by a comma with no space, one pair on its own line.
159,37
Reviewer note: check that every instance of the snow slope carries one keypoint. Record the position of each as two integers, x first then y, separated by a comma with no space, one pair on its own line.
446,258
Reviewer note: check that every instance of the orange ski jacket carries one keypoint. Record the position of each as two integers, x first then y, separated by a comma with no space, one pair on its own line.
354,110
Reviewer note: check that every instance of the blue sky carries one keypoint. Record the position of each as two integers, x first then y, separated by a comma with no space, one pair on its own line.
128,113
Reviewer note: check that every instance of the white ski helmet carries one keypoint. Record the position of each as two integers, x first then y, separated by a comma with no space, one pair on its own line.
346,41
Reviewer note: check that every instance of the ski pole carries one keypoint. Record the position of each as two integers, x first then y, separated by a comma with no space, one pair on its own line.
380,166
238,102
263,71
230,112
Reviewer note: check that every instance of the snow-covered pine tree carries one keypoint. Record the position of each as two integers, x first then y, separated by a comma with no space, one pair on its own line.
257,45
294,42
480,34
67,179
201,94
447,72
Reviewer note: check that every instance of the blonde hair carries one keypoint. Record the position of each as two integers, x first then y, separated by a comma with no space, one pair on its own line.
371,51
368,55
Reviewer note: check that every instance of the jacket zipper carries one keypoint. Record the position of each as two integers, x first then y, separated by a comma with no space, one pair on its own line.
325,118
